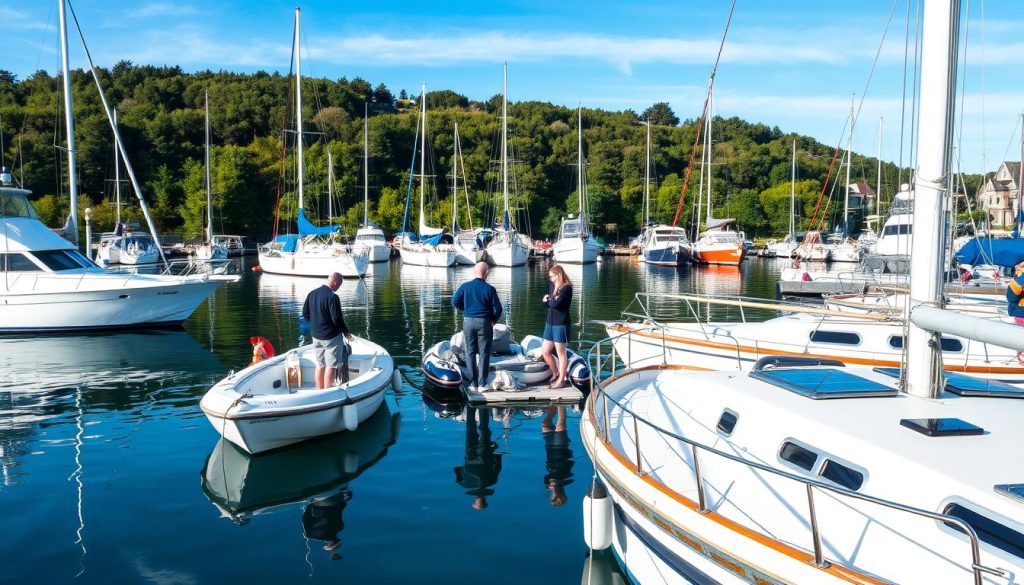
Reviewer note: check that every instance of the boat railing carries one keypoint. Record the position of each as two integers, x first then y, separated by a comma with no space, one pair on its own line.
601,405
177,268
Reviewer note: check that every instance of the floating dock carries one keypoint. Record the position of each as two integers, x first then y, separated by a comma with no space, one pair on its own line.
565,395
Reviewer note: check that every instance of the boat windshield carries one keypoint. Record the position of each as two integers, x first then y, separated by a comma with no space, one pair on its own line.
60,260
570,228
370,238
16,205
670,235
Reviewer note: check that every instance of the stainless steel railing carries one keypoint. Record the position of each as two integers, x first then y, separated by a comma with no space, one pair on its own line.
606,364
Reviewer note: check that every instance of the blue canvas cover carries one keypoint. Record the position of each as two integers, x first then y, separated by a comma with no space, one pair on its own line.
288,243
1002,252
438,239
306,228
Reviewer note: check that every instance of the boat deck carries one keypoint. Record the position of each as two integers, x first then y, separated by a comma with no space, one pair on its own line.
539,393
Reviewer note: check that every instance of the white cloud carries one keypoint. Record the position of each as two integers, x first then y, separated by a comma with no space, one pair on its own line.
162,9
17,19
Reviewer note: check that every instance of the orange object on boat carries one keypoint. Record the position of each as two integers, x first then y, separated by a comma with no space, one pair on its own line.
261,348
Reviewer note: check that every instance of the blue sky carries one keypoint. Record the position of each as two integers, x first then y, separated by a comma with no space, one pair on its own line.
790,63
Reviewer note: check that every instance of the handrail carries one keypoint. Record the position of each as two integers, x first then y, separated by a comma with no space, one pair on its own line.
740,301
597,360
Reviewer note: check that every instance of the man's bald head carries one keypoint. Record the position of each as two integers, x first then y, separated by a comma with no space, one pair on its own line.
480,270
334,280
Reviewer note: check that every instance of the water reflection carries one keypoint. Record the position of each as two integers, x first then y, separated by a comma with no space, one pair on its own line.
479,472
242,486
600,568
558,460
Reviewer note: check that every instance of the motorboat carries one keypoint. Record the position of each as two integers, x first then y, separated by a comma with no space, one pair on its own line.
720,244
665,245
274,403
242,485
129,248
235,245
803,470
49,285
445,364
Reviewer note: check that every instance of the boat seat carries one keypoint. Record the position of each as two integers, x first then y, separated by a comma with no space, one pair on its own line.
501,341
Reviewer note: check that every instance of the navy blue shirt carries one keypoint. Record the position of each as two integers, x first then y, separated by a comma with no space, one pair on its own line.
323,311
477,299
558,305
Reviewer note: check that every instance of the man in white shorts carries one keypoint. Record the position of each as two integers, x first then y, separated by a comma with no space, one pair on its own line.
322,310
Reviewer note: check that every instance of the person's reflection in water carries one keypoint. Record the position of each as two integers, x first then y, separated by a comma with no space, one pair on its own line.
483,463
559,455
322,520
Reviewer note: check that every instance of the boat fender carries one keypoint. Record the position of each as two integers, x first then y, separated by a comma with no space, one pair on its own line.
261,348
257,268
396,380
350,463
597,517
293,369
350,416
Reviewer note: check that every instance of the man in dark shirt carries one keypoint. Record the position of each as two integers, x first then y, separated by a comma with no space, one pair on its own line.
481,309
322,310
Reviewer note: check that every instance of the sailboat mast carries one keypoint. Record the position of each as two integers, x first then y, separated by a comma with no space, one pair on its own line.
941,23
707,150
298,106
849,163
792,194
647,177
330,185
423,151
69,122
117,178
878,180
579,163
455,179
504,141
366,164
209,195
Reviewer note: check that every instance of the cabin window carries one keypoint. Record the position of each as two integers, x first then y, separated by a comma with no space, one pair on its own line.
16,205
901,229
989,531
79,257
840,337
799,456
949,344
727,422
57,260
15,262
838,473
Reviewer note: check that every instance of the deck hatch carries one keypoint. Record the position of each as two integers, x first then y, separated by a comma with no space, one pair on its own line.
964,385
1013,491
942,427
823,383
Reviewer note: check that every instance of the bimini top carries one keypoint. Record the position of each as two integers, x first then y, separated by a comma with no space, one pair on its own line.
20,228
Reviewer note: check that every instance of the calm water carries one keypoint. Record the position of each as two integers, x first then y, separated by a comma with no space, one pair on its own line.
110,473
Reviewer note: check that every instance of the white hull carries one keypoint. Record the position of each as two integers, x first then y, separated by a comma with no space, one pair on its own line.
57,302
845,252
467,253
320,261
210,252
576,250
372,240
417,255
376,252
275,417
505,251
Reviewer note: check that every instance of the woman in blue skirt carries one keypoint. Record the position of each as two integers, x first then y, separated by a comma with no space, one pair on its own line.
556,327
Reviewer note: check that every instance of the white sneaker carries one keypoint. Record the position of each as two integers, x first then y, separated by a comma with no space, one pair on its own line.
486,388
472,388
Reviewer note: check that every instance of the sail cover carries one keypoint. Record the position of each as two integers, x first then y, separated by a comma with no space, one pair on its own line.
306,227
1002,251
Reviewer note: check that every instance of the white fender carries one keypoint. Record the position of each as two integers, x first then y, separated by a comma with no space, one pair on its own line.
597,518
396,379
350,463
350,416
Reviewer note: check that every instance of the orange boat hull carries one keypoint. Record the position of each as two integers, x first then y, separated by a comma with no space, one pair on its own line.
730,256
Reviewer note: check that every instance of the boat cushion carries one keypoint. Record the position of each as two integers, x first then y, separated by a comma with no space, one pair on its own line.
501,341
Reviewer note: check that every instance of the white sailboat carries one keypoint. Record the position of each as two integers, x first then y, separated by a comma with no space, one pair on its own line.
48,285
432,248
809,472
787,247
313,251
467,246
576,243
841,247
370,236
209,250
664,245
507,246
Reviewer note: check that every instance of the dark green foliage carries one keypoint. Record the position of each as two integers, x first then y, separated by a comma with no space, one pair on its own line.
161,120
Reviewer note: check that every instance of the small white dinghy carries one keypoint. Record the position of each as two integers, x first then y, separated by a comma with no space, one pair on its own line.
275,403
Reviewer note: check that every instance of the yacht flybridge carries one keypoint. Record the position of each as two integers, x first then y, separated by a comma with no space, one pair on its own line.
805,470
48,285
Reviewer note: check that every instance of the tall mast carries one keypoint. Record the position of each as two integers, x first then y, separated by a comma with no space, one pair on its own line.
647,178
366,164
455,179
209,196
849,163
117,177
878,180
707,150
330,185
792,194
941,23
423,151
504,141
298,106
579,162
69,122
